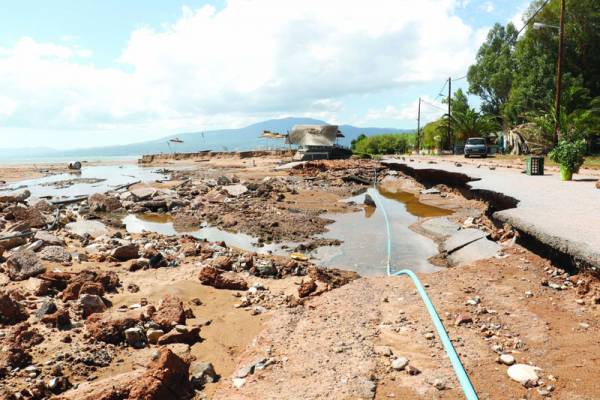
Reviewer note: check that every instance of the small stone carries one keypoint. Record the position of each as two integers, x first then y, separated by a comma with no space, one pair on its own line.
399,363
463,319
202,373
154,334
429,336
238,382
385,351
134,337
526,375
584,325
507,359
412,370
440,384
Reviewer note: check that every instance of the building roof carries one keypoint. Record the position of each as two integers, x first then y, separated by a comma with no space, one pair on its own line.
313,135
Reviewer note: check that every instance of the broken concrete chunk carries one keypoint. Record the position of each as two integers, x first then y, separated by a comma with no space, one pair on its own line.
24,264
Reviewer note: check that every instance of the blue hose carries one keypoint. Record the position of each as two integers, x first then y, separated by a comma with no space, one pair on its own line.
459,370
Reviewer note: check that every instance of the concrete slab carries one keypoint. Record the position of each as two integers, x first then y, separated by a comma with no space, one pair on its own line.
87,227
478,250
562,215
440,227
462,238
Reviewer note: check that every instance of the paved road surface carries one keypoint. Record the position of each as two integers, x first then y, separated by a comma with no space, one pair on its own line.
564,215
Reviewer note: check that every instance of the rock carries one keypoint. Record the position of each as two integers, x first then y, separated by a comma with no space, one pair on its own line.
170,312
55,254
165,378
235,190
143,193
104,203
90,228
526,375
306,288
223,180
134,337
412,370
91,304
48,239
399,363
429,336
265,268
187,336
153,335
47,307
440,384
11,311
16,196
110,327
13,356
32,217
202,373
463,319
222,262
507,359
385,351
24,264
210,276
369,201
140,263
157,261
126,252
59,319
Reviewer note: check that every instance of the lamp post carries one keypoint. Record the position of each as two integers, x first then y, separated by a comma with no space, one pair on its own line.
561,45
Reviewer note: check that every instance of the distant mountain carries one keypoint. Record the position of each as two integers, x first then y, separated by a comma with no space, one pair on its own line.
218,140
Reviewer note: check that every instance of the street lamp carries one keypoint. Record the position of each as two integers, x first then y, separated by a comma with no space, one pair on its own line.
540,25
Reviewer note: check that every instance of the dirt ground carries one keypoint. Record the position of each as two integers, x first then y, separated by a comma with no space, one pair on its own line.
340,338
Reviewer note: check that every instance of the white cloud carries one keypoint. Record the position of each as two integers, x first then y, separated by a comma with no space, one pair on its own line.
250,59
488,7
518,18
430,111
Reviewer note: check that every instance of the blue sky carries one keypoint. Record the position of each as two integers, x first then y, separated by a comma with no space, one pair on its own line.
87,73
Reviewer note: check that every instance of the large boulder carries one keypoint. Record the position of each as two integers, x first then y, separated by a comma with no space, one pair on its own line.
11,311
23,265
181,334
102,202
211,276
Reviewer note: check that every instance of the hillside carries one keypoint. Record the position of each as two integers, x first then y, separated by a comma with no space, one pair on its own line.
224,139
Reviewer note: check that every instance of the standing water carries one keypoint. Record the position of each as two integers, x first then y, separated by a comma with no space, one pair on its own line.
365,236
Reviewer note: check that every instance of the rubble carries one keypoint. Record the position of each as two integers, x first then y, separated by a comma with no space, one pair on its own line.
24,264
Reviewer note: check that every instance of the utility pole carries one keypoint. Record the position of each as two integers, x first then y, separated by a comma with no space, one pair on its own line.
450,113
561,45
418,139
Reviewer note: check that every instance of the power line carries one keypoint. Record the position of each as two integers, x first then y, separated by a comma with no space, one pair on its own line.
458,79
532,17
440,91
432,105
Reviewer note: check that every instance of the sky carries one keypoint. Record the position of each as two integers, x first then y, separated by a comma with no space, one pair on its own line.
90,73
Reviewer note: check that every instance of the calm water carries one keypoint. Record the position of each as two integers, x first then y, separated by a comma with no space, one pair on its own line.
364,247
365,236
87,181
163,224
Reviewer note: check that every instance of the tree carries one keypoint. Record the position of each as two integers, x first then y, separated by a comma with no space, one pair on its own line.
492,74
358,139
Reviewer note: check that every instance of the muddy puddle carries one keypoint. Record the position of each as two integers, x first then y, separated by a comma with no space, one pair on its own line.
88,180
364,235
163,224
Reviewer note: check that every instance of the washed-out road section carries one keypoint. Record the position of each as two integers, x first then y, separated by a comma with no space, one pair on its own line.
562,215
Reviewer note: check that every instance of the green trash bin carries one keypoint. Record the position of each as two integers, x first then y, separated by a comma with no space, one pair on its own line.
535,166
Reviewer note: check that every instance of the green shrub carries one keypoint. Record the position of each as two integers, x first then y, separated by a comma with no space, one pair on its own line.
383,144
569,154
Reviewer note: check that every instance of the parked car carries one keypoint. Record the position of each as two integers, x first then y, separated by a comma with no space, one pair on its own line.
476,147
